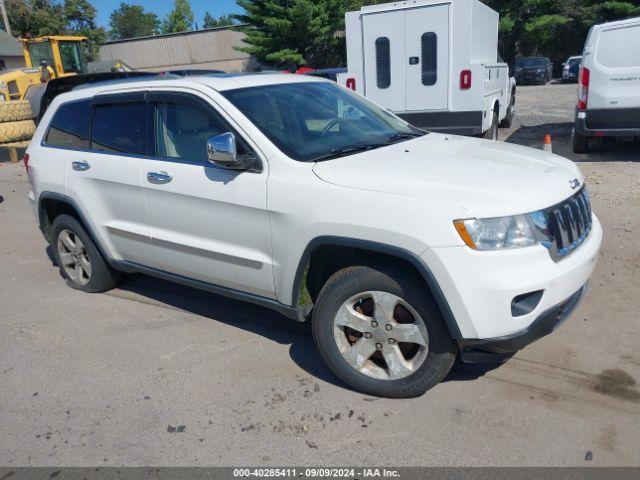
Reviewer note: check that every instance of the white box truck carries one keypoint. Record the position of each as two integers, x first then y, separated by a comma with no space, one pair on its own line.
434,63
609,84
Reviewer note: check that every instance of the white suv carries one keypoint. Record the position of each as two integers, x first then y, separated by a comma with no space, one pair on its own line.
402,247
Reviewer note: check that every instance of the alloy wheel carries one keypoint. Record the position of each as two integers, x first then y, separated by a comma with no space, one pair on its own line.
380,335
73,257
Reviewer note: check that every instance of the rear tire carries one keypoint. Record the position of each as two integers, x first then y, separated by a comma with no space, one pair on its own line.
511,113
580,143
382,364
81,263
492,133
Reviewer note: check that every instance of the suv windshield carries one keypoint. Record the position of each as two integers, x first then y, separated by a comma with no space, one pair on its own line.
316,121
532,62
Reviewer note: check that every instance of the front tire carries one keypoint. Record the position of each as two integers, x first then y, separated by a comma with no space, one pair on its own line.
81,263
379,331
511,113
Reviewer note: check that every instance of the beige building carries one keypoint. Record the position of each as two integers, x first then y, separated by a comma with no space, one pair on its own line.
11,56
201,49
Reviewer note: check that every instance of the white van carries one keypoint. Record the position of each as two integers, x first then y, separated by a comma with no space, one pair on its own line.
434,63
609,84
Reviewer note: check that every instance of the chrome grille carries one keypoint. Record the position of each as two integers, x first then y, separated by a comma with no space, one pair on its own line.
569,223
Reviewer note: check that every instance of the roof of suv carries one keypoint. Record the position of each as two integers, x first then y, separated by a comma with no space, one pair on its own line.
219,82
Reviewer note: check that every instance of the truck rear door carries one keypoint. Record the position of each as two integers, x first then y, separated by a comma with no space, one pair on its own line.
615,74
384,59
427,58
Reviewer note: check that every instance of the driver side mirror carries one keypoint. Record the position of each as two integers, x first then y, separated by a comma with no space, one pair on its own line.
222,152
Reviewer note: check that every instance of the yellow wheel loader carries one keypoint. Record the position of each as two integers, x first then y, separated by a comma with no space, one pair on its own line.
55,56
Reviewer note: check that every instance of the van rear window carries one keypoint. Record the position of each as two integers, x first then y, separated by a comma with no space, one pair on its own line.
70,126
613,51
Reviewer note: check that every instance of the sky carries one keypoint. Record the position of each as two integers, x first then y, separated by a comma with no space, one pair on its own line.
162,7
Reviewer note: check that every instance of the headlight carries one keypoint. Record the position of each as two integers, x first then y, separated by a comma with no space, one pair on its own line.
505,232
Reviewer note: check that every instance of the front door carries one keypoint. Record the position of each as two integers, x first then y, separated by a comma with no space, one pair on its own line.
208,223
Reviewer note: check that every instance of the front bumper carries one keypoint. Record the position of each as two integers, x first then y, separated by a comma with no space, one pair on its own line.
482,287
500,349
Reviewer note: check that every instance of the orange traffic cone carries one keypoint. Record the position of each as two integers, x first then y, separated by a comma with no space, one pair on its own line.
547,147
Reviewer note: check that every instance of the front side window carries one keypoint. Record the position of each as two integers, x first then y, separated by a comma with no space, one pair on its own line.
39,52
70,126
310,121
429,42
383,63
183,127
71,54
120,128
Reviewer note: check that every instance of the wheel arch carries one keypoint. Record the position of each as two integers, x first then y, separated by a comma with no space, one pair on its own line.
52,204
326,252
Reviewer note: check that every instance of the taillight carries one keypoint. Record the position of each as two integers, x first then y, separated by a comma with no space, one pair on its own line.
351,84
25,159
583,88
465,79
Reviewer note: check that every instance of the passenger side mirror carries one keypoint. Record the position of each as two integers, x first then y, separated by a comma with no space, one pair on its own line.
222,152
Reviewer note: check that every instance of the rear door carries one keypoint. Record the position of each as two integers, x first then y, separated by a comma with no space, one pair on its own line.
385,62
427,58
104,179
615,76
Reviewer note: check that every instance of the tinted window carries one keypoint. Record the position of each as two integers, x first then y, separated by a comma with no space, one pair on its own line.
383,62
119,128
182,130
429,43
70,126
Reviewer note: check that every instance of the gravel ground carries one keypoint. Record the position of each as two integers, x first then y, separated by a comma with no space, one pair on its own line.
157,374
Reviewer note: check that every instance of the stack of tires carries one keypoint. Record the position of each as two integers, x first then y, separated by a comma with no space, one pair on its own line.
16,121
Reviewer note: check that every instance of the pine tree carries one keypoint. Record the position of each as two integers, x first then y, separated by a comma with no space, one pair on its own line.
180,19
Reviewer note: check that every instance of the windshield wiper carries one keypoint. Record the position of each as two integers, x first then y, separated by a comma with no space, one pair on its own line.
348,150
404,136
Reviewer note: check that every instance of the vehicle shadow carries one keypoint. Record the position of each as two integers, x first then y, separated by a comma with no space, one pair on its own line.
251,318
258,320
602,150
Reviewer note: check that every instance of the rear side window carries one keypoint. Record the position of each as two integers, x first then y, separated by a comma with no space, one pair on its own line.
383,63
613,47
120,128
429,44
70,126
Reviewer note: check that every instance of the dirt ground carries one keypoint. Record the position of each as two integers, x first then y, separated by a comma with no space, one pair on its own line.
153,374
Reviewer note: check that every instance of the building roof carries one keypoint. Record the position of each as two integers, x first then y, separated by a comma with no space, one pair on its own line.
176,34
9,46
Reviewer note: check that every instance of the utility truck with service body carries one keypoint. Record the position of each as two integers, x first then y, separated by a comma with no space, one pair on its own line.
433,63
403,248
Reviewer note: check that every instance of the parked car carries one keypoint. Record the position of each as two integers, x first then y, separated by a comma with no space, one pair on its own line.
571,69
328,73
401,247
533,70
609,84
432,63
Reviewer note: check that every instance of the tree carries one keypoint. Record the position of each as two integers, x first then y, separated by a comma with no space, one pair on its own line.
38,18
80,19
130,21
212,22
180,19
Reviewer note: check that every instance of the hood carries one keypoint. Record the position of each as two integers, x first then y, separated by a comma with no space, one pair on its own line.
482,177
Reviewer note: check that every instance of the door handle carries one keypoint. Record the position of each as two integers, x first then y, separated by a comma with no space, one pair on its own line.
81,166
159,178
